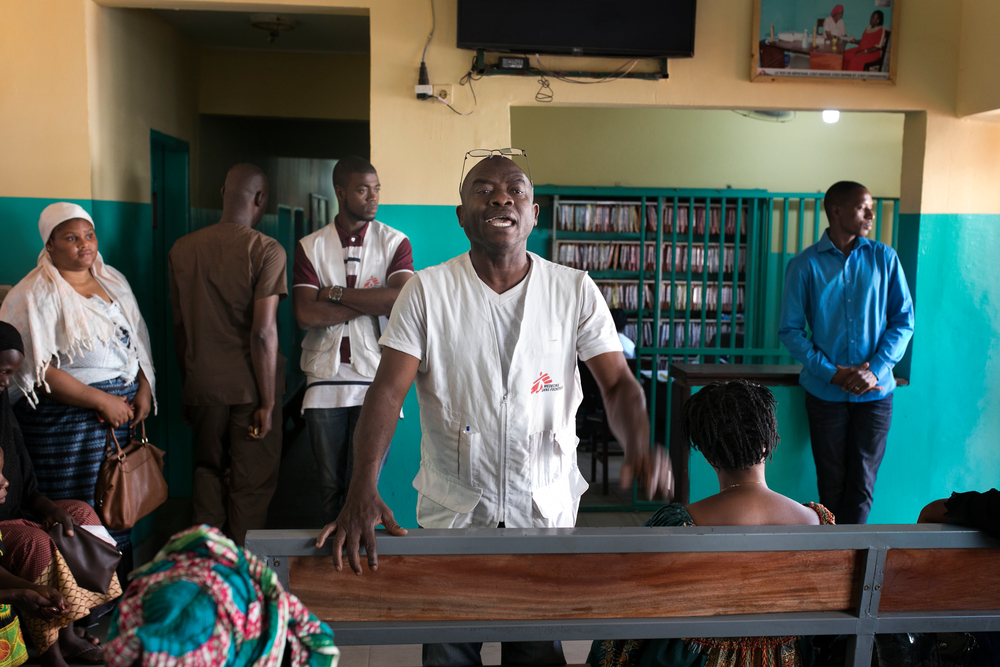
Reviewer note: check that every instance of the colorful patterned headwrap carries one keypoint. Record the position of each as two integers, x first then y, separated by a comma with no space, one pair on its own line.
204,601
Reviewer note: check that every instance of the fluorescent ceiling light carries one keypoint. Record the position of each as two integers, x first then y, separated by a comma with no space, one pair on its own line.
831,116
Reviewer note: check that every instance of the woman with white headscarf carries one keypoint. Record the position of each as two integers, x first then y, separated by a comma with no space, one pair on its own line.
87,364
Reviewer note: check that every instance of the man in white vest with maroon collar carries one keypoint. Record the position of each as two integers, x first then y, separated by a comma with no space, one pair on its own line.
346,276
492,339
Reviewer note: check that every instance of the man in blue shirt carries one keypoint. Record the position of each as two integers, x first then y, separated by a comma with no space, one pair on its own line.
853,296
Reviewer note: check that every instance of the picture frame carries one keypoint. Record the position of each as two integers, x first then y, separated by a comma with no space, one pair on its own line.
859,44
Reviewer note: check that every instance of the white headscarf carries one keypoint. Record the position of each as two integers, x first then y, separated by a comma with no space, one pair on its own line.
54,215
54,319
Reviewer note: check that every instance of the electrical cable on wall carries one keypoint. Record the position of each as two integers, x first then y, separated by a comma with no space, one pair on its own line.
545,93
430,36
424,89
611,76
467,78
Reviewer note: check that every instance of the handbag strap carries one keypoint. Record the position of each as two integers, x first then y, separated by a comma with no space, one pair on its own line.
131,432
113,438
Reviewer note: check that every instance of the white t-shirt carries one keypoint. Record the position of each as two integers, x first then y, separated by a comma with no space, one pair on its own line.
507,310
407,329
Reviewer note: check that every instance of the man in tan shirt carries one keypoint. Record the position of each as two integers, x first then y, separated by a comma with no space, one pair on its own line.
225,284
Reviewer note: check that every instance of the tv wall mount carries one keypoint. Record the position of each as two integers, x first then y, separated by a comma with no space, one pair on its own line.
495,69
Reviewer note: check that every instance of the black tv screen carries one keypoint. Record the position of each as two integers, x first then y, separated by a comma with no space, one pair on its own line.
627,28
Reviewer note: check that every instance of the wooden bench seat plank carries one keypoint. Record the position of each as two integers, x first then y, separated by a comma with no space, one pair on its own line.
578,586
941,580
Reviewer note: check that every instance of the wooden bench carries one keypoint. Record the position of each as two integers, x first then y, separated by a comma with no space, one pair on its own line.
489,585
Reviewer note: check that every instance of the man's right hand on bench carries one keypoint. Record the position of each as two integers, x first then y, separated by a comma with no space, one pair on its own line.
355,526
363,507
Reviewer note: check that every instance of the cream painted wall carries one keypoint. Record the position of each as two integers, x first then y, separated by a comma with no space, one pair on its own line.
978,75
284,84
142,75
961,166
44,142
706,148
45,60
717,77
912,175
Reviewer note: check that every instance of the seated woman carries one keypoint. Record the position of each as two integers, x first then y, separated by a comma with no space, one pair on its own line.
33,574
870,48
733,425
86,347
205,601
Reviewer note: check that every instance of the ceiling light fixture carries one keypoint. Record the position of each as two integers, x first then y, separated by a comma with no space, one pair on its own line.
273,24
769,116
831,116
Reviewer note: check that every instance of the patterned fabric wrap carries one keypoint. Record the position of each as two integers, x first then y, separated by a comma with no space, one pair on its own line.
66,443
705,652
13,652
31,554
204,602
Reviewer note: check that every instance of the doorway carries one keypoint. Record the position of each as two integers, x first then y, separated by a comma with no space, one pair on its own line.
170,173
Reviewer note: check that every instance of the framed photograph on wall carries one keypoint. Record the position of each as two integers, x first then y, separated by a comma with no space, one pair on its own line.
850,40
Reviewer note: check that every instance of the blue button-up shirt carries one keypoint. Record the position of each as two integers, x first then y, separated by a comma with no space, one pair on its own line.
858,309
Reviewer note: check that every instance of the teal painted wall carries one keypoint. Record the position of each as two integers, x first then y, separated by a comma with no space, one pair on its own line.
946,427
946,424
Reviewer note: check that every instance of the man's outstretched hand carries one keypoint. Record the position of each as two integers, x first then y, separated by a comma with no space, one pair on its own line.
355,526
652,468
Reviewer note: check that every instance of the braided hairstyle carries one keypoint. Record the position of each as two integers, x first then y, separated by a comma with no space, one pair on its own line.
732,424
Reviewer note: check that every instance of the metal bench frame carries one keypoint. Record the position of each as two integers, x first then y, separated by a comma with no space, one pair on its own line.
874,541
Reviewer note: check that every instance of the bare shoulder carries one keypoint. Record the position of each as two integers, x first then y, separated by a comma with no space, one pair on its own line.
758,509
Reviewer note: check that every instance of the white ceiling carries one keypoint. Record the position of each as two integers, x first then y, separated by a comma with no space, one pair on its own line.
315,33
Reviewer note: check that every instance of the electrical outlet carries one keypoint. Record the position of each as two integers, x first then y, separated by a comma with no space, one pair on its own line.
444,91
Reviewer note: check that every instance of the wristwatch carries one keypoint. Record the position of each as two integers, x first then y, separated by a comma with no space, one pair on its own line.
336,293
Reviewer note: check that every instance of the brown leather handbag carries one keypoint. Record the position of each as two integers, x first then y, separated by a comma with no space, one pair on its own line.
91,560
130,482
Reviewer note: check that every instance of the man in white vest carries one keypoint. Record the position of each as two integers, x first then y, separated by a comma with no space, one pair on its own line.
492,339
346,276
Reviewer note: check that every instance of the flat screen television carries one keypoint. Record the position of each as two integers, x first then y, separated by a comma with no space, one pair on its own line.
626,28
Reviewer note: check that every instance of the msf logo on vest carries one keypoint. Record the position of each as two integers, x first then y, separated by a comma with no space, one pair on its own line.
371,282
544,383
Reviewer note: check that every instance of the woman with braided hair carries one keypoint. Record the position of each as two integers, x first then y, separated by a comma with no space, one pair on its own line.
733,425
